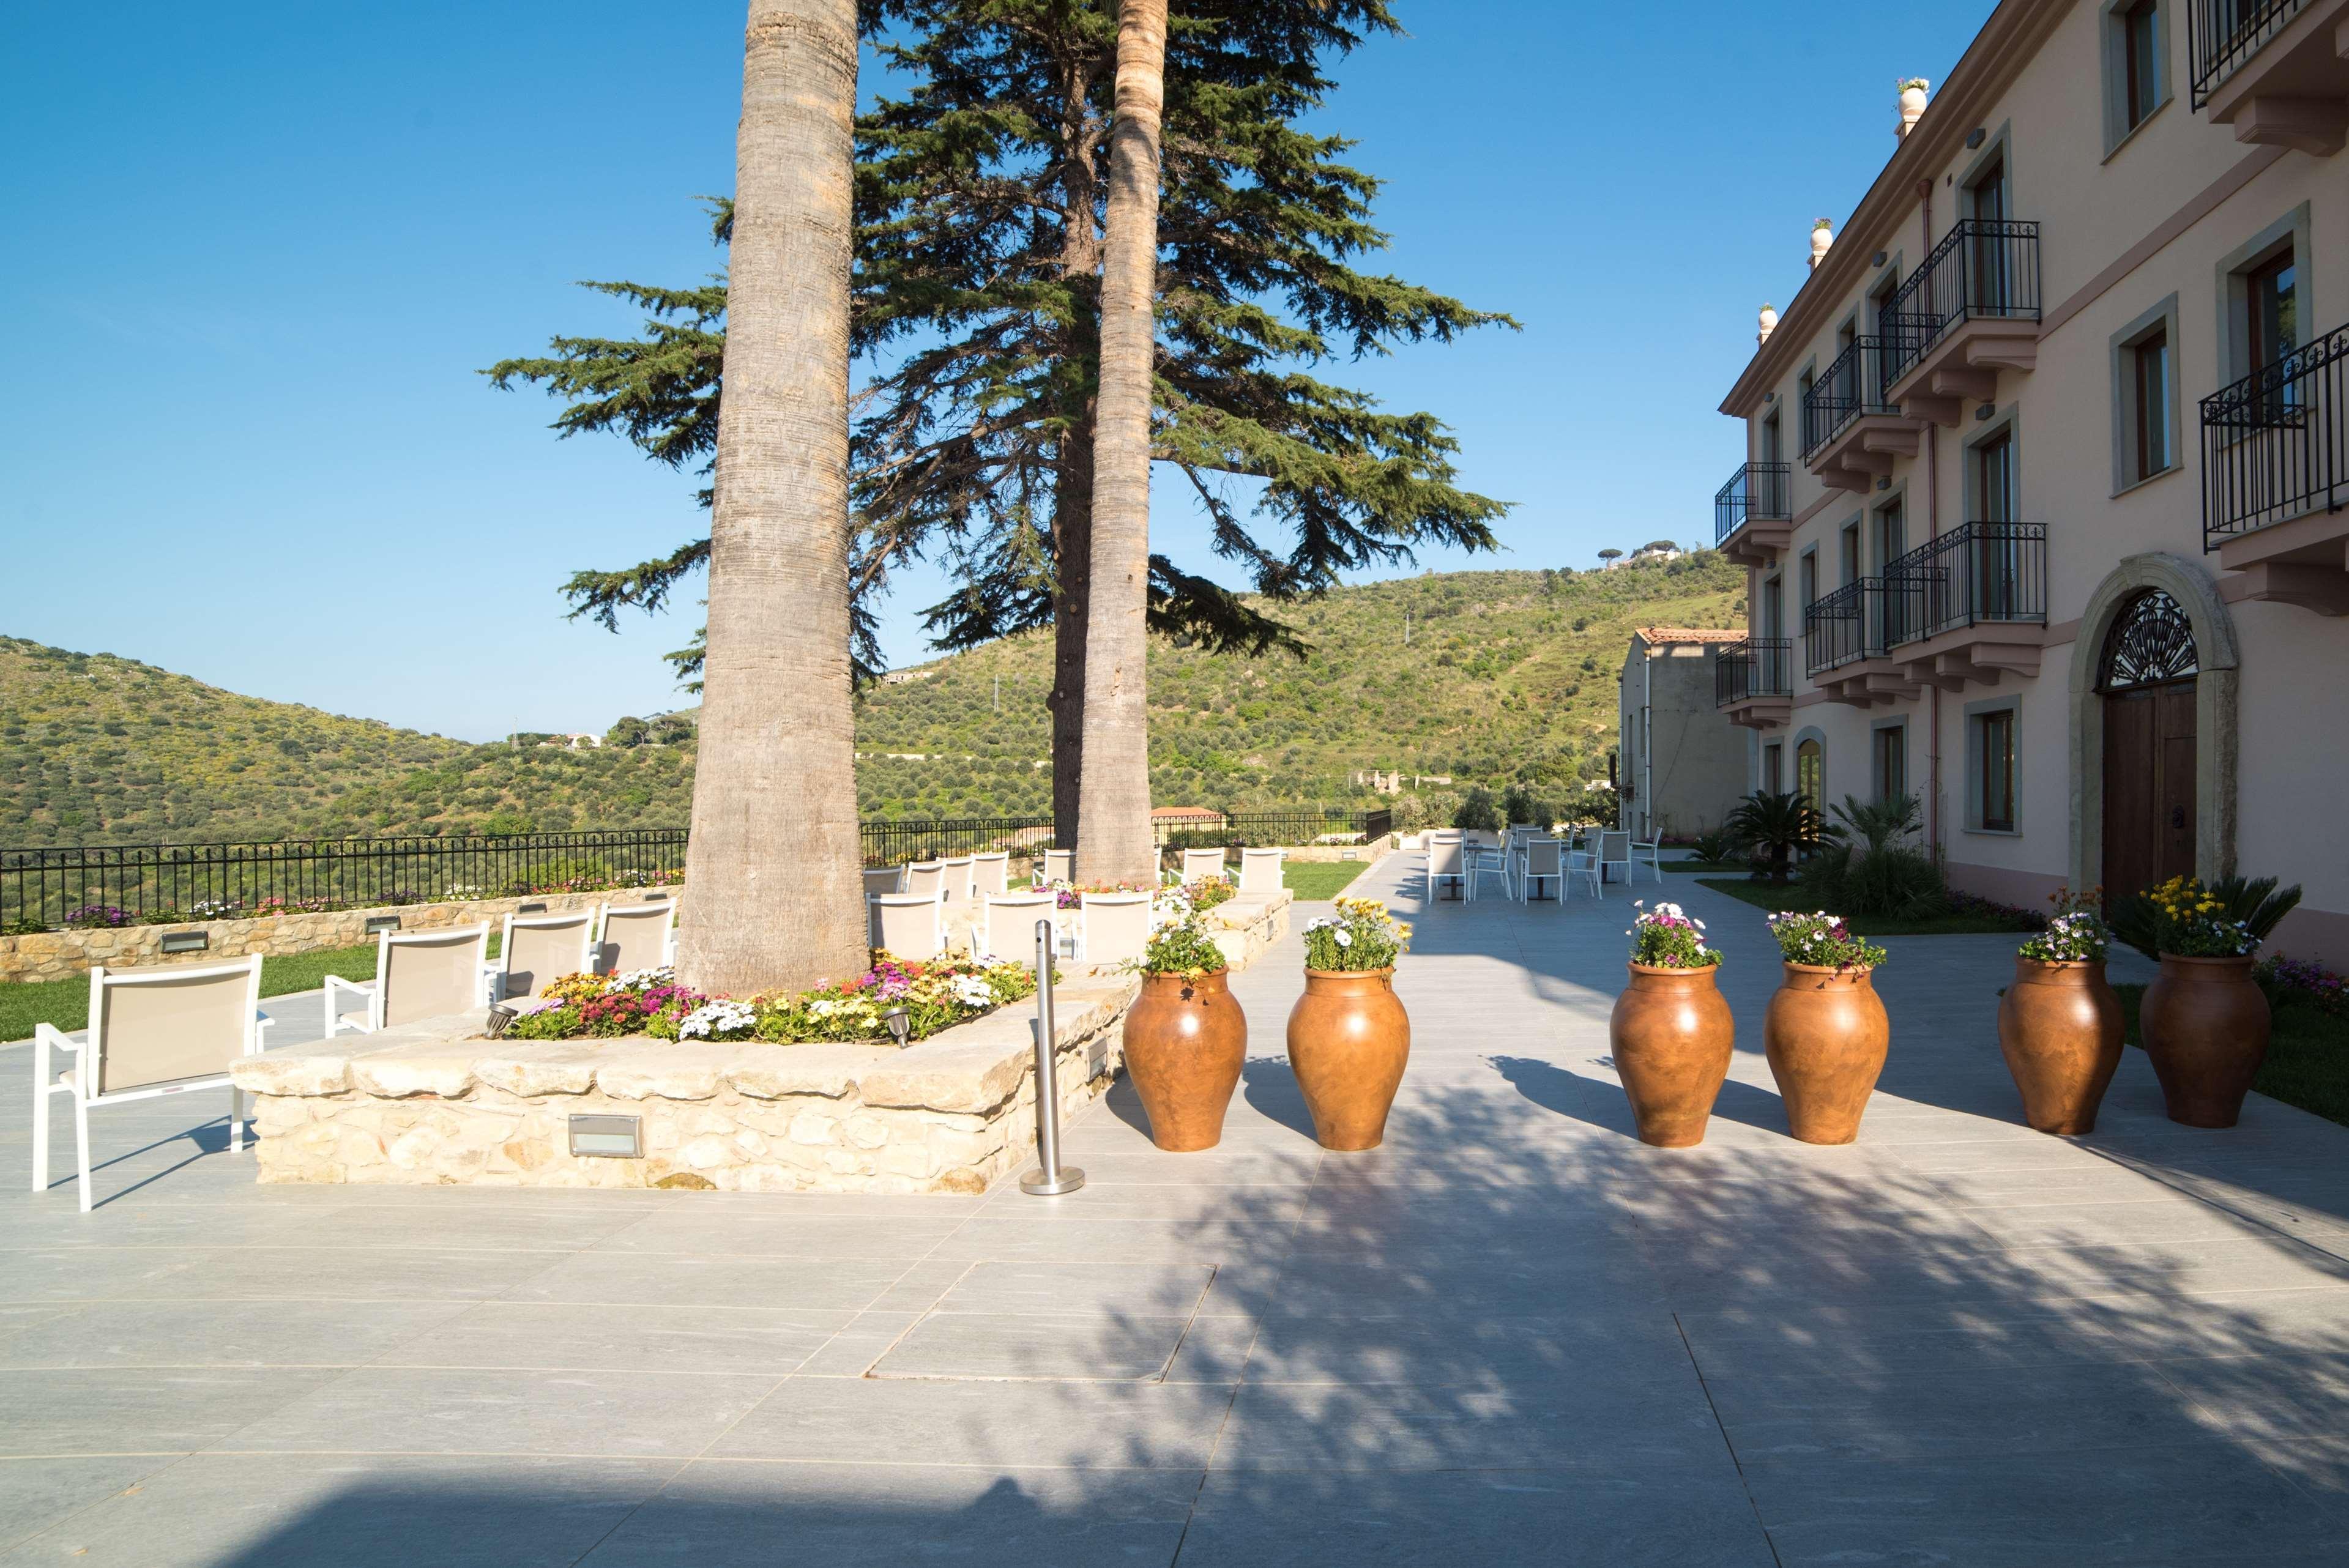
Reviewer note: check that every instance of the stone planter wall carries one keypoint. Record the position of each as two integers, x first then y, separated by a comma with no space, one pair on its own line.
61,954
432,1103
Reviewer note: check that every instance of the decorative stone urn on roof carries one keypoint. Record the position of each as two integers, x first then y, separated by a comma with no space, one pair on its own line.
1767,323
1822,237
1913,98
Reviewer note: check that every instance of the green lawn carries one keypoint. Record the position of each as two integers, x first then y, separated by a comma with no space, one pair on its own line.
1320,879
2308,1056
1765,896
65,1003
1711,868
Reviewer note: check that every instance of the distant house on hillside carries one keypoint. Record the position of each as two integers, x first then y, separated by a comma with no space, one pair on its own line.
906,678
1684,765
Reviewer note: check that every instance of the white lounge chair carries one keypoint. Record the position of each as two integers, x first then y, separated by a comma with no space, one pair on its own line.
152,1032
910,925
879,880
1112,927
635,936
1261,871
1200,864
954,876
418,974
539,949
1006,922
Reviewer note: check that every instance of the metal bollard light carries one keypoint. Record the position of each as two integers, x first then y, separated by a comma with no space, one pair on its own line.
1050,1177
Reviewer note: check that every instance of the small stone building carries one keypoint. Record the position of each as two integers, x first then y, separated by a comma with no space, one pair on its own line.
1682,765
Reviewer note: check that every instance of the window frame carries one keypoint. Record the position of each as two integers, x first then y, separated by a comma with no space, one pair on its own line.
2122,122
2004,713
2234,272
2128,472
1889,737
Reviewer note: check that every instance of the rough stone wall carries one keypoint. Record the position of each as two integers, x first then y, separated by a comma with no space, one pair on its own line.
60,955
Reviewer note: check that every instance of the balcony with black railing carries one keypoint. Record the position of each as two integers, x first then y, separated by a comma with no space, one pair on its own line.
1971,606
2273,69
1852,429
1754,683
1753,513
1969,312
1846,646
2275,476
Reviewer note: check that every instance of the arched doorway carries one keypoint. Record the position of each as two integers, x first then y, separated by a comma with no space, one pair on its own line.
1810,774
2146,677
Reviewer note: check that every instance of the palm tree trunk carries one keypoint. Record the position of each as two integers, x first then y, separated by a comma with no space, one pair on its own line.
1081,131
1114,842
772,895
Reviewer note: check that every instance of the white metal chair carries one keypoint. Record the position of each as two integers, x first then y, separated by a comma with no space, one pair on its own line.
1112,927
879,880
991,875
1615,849
1447,860
152,1032
1545,862
1198,863
910,925
1261,871
924,877
1648,852
540,948
955,875
1489,860
635,936
1007,920
1057,866
418,974
1584,863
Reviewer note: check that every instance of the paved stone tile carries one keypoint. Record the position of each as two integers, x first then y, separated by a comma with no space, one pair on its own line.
1894,1341
883,1517
262,1274
117,1410
602,1414
1008,1426
296,1511
749,1341
157,1333
784,1236
36,1494
1085,1348
659,1279
1656,1422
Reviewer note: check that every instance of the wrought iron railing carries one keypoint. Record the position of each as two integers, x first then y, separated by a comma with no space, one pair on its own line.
1845,626
884,843
1982,269
1976,573
1852,384
2276,443
1762,666
2221,35
1761,493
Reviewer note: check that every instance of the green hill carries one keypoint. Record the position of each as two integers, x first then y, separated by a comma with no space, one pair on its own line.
1506,674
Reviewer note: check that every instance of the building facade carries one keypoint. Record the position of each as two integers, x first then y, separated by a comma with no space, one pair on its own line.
2045,508
1681,767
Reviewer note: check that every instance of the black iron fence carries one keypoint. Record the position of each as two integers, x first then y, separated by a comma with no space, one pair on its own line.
1852,384
891,844
1979,572
2276,443
123,885
1764,667
1756,492
2221,35
1286,828
1845,626
1982,269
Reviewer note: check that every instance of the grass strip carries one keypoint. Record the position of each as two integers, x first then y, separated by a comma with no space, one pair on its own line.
1773,898
2308,1054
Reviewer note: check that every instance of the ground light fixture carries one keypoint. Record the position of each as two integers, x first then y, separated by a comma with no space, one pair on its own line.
607,1136
899,1024
378,923
186,940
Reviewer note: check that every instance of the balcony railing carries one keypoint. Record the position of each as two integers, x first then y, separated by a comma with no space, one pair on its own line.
1982,270
1764,667
1845,626
1853,385
1979,571
1756,492
2276,443
2221,35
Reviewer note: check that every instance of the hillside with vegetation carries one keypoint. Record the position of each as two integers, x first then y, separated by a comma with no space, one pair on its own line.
1503,676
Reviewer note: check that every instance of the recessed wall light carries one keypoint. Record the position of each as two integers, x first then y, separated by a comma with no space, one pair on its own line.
381,922
607,1136
1985,411
1976,139
186,940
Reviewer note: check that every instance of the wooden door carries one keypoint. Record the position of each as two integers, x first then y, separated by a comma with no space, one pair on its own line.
2149,800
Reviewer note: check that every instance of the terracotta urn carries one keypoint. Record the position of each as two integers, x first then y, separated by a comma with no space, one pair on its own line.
1826,1036
1186,1042
2059,1028
1671,1033
2205,1027
1349,1039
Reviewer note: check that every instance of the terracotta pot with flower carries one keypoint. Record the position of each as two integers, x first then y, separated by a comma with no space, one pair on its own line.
2204,1021
1186,1037
1349,1036
2059,1025
1825,1033
1672,1032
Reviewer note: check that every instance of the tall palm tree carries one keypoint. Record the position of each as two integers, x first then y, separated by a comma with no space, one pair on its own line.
1114,837
773,898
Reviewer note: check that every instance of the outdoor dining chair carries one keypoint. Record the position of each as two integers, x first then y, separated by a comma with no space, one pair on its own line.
924,877
635,936
418,974
152,1032
1112,927
1615,849
879,880
1447,860
954,876
1544,862
910,925
991,875
1261,871
1198,863
1581,862
1057,866
1488,860
1647,852
539,949
1007,922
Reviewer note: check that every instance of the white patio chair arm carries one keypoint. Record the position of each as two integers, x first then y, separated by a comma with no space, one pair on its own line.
335,1023
51,1036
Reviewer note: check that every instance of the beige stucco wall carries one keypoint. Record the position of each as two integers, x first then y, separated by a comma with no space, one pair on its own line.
2097,212
1698,764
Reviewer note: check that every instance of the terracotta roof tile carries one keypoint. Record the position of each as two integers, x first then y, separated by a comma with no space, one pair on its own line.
1655,634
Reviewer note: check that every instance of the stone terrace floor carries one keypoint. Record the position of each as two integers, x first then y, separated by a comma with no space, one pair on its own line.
1513,1334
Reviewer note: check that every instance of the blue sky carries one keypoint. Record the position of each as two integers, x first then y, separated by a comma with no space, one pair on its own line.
255,261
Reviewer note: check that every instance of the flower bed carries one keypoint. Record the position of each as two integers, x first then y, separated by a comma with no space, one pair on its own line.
927,997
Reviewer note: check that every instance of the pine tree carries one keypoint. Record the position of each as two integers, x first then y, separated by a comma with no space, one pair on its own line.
981,197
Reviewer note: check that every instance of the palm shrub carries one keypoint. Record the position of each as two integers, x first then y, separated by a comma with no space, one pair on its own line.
2226,918
1773,829
1865,862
